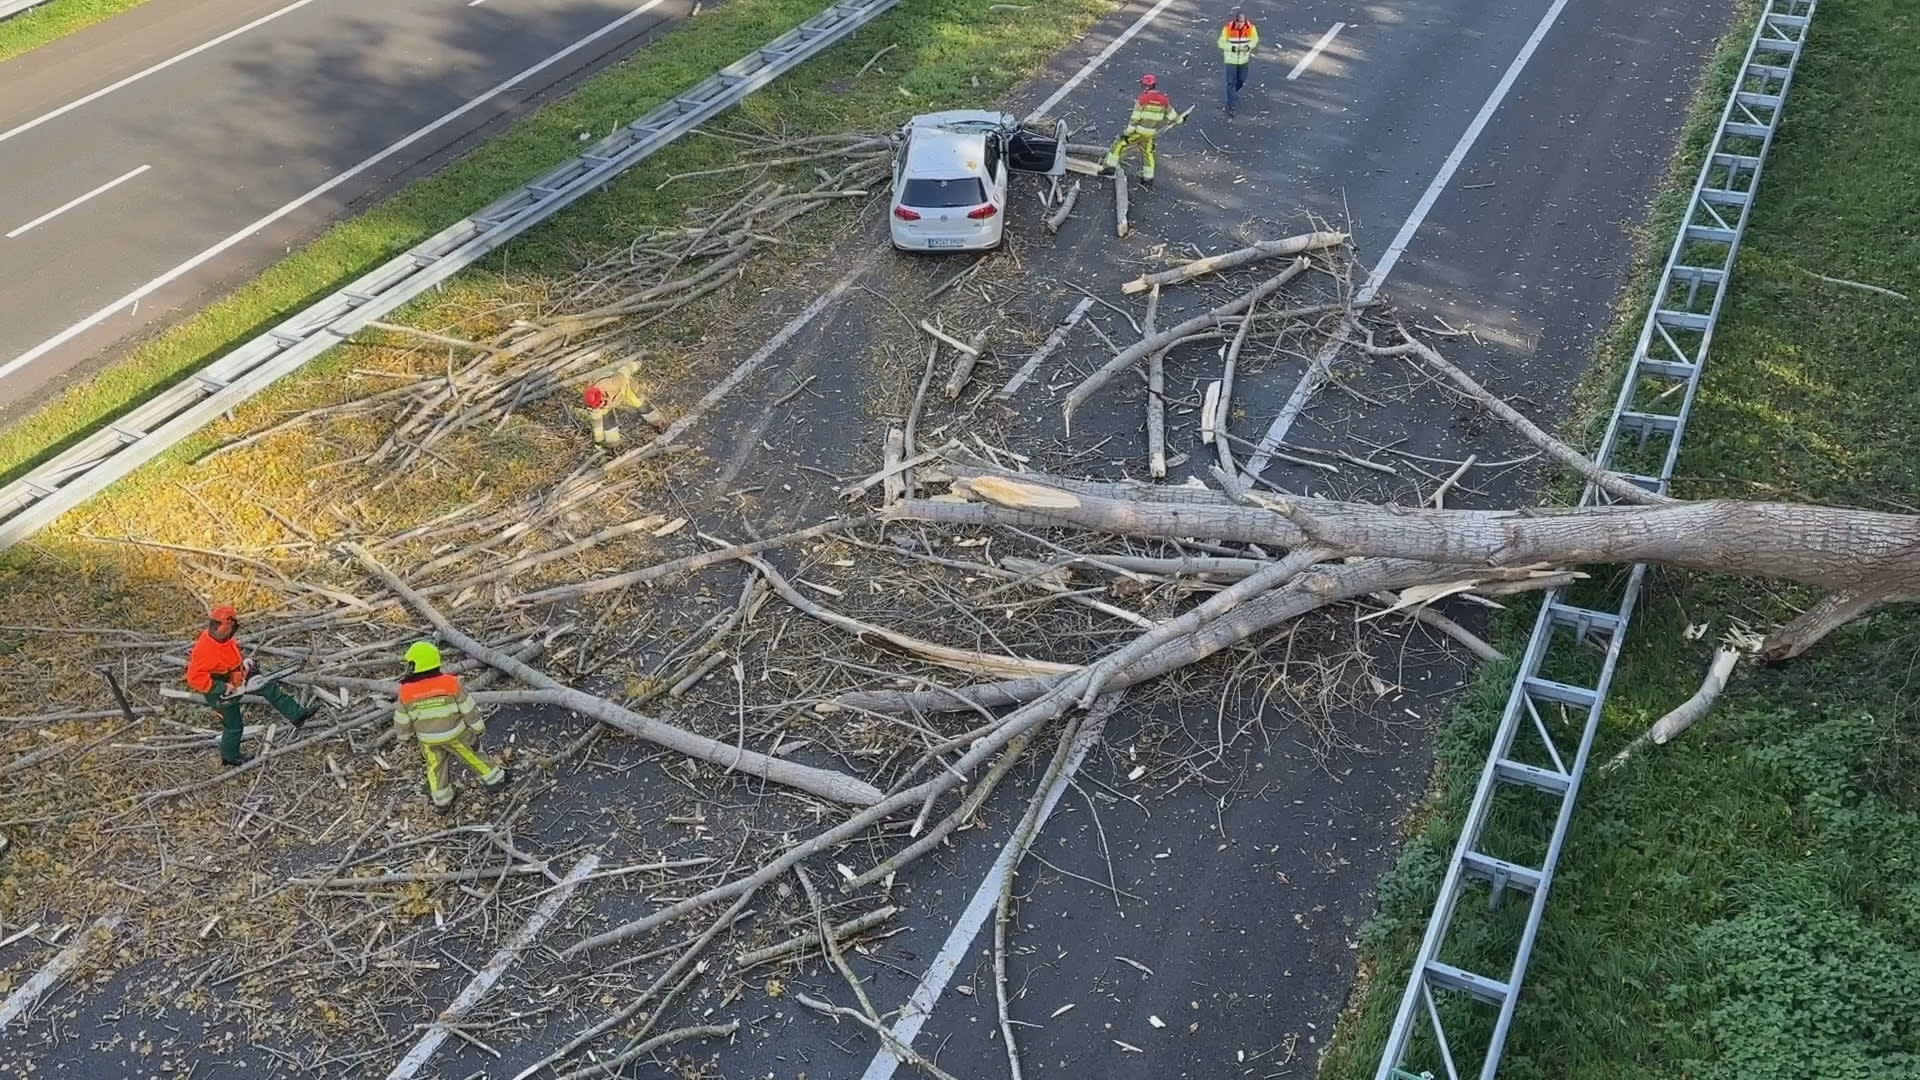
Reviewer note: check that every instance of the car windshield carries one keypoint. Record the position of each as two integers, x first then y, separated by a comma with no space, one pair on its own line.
935,194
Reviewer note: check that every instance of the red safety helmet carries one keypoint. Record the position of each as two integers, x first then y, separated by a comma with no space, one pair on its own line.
1149,81
596,398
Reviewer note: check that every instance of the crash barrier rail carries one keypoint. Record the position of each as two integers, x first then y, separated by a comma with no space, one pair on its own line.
1669,357
86,468
10,8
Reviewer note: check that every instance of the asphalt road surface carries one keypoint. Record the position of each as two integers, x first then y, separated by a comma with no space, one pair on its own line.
1494,155
154,161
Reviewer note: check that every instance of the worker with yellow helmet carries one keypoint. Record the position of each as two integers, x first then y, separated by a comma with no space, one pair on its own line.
442,716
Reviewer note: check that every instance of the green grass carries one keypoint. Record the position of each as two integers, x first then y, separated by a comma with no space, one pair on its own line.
948,53
36,26
1746,901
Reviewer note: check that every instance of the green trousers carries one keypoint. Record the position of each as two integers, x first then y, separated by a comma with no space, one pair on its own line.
231,723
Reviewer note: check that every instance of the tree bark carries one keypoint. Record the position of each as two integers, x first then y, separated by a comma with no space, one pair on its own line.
1265,249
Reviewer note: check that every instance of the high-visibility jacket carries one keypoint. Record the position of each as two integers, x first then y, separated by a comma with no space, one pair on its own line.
1237,40
213,659
436,707
1152,110
622,390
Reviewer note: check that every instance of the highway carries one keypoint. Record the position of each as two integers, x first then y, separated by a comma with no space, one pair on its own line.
154,161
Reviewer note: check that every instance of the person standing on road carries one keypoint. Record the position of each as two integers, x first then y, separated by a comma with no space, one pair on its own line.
1238,38
217,670
608,395
441,714
1153,113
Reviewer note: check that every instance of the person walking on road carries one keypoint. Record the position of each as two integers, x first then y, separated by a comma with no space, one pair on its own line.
442,715
217,670
1238,38
1153,113
607,396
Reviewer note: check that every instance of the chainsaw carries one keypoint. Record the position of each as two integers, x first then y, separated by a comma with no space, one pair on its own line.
259,682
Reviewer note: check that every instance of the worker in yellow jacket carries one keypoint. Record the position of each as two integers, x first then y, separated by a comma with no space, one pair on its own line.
1153,113
1238,38
605,397
442,716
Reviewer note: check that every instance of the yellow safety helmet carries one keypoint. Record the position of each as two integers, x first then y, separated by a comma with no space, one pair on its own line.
423,656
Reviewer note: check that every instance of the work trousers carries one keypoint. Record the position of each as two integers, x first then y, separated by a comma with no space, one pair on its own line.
1143,140
439,785
606,424
1233,77
231,722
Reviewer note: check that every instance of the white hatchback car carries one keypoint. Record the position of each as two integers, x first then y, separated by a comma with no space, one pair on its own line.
950,173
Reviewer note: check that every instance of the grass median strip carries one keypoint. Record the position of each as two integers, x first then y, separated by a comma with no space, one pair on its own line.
55,19
944,53
1741,902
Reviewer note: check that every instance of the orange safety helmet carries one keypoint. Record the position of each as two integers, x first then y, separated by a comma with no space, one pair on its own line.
1149,81
596,397
222,613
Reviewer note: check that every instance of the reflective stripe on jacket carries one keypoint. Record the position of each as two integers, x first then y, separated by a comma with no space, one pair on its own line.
1237,40
213,659
1151,110
435,706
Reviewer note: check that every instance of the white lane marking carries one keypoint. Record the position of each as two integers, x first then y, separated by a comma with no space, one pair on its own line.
475,3
23,999
919,1006
144,72
1316,372
1093,65
1313,54
489,975
134,297
70,204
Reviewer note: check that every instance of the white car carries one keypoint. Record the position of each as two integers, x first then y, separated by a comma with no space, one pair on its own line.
950,174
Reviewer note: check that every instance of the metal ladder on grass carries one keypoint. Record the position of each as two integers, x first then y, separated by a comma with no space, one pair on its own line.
1527,770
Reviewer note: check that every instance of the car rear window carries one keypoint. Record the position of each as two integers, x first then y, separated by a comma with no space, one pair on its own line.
962,191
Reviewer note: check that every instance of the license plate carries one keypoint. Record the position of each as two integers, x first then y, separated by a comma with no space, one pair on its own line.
945,242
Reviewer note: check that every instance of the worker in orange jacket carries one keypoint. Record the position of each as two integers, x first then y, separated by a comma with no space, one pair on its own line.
217,669
445,720
1238,38
1153,113
607,396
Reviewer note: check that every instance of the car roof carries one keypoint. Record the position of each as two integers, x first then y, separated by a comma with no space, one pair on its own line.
961,117
943,154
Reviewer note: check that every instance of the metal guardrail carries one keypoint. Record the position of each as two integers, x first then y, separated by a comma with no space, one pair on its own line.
1670,357
83,470
10,8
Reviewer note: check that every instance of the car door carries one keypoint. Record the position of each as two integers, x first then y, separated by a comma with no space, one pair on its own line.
996,170
1033,152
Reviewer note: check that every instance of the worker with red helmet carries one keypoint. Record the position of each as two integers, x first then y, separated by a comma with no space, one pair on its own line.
217,670
1238,38
606,396
1153,113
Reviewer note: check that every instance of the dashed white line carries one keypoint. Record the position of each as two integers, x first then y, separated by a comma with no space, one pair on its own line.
31,991
1313,54
489,975
133,298
71,203
151,69
1316,372
1104,55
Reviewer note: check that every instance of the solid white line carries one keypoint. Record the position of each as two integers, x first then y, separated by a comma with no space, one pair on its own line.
1093,65
66,206
378,156
919,1006
1313,54
1317,371
144,72
495,968
23,999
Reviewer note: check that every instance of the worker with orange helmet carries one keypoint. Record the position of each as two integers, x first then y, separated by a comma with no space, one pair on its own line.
605,398
1238,38
218,671
1153,113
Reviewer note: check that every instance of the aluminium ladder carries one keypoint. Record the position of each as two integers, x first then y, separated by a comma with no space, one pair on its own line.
1559,686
